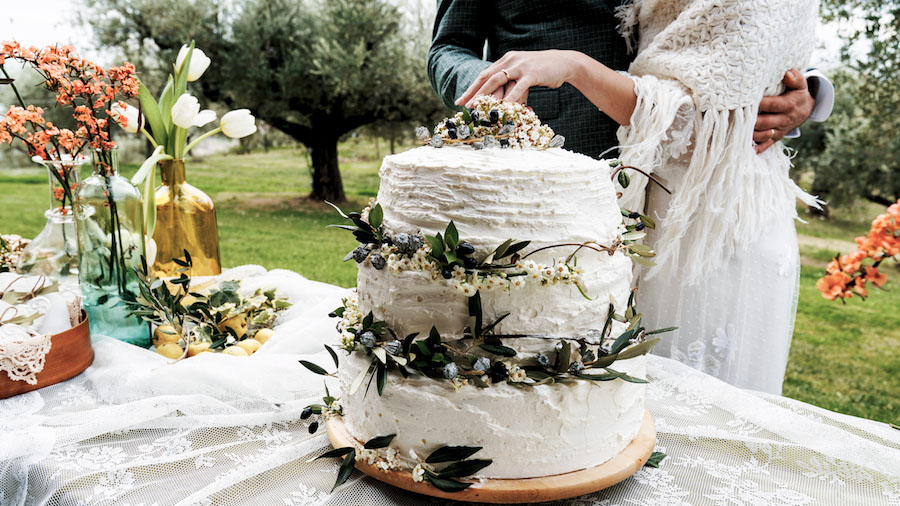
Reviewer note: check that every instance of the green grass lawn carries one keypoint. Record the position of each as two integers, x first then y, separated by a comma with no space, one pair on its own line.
844,357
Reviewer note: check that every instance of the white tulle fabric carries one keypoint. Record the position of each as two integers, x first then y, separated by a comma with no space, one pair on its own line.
218,430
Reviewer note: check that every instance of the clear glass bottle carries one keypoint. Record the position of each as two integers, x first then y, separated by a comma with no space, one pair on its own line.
185,220
54,252
109,222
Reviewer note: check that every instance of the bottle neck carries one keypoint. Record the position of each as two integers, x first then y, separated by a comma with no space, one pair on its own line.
106,163
171,172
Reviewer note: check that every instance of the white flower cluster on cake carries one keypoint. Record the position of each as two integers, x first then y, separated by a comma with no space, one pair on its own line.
492,122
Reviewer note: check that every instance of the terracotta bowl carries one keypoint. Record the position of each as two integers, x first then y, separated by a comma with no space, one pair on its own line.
69,356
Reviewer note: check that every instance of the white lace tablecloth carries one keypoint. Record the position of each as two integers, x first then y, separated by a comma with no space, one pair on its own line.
218,430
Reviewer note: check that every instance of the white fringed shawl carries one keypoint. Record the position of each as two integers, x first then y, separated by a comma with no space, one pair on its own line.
711,62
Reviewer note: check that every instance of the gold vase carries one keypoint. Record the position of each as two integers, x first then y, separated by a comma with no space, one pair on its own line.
185,220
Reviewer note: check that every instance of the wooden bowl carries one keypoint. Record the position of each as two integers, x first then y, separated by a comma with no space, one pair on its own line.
528,490
69,355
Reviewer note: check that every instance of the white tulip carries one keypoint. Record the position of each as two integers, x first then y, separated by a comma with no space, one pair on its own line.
199,62
239,123
127,116
185,111
204,117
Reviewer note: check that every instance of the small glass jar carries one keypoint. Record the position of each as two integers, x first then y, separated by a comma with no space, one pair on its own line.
109,221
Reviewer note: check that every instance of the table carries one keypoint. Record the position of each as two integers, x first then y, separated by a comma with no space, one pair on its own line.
217,430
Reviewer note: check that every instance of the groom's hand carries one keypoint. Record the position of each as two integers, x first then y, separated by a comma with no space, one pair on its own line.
779,115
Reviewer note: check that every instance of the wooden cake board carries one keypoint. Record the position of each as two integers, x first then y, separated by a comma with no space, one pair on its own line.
518,491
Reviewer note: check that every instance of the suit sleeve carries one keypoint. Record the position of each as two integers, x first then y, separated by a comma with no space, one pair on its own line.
455,56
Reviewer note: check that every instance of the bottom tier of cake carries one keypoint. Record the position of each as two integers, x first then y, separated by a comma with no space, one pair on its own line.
528,431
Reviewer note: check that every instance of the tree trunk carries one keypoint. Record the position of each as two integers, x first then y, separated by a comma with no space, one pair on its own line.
326,179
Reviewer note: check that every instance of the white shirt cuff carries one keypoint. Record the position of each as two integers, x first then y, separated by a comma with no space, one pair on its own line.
824,96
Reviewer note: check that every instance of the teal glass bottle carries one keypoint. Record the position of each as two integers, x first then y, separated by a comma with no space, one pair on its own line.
109,224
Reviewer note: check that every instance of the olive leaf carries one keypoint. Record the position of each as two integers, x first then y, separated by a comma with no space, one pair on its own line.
655,459
445,484
332,353
464,468
314,368
379,442
337,452
498,349
451,454
346,469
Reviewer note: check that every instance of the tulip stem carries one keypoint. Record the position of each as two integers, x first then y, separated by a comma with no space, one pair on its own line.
198,139
149,138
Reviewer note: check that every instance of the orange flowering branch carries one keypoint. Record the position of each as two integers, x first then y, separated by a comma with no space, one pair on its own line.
846,275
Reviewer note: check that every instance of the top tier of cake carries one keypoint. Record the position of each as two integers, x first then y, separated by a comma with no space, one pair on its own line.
546,196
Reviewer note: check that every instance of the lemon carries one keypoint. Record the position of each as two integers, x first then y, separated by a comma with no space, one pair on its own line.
236,351
249,345
170,350
165,334
198,348
263,335
236,323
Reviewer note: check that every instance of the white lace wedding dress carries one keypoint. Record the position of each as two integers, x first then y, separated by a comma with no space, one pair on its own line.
728,262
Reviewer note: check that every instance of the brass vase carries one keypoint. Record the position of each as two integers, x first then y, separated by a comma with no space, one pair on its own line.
185,220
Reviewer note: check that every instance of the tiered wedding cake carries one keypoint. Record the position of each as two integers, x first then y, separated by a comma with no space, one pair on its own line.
459,336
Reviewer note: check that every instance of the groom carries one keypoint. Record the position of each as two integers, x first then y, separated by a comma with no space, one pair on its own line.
462,27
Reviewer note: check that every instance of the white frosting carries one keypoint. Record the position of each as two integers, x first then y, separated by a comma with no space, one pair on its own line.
526,431
548,197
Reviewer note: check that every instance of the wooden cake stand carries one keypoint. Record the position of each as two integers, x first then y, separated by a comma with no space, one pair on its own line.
545,488
69,355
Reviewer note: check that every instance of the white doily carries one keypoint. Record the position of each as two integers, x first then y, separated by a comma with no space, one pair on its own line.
22,353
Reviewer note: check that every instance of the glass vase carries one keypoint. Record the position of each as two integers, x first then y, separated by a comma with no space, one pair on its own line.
109,223
185,220
54,252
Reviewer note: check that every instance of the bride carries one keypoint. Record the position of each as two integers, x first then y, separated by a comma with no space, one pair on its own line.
727,257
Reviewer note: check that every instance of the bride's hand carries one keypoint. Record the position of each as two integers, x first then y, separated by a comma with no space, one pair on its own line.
519,71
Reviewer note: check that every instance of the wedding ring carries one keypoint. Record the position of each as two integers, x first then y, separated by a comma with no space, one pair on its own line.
772,135
506,74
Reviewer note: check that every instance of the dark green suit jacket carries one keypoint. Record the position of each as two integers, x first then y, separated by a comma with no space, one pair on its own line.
462,28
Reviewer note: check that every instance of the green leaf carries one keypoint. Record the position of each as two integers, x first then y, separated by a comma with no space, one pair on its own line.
564,357
599,377
147,174
647,221
337,452
625,377
314,368
624,179
166,101
655,459
660,331
437,246
475,311
357,382
381,381
376,216
496,349
638,349
622,341
517,247
634,235
464,468
642,250
379,442
500,252
346,470
333,354
450,256
451,236
445,484
150,110
643,261
451,454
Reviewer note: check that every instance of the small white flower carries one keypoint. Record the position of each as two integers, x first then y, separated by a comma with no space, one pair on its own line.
518,282
368,456
517,374
382,466
418,473
199,62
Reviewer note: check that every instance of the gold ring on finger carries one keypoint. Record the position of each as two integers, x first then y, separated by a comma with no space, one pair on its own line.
772,135
506,74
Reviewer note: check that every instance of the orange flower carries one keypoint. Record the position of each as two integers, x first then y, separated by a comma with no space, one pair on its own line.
834,286
876,277
859,287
